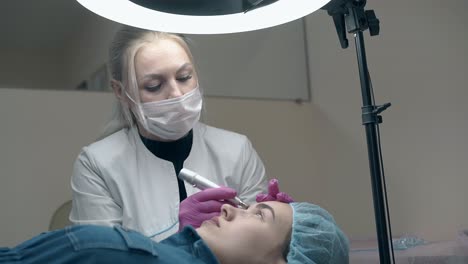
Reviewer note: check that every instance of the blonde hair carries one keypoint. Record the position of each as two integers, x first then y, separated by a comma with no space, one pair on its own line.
126,43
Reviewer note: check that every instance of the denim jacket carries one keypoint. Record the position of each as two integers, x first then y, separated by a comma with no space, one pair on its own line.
99,244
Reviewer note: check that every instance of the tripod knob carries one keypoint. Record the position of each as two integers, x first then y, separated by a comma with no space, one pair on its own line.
373,23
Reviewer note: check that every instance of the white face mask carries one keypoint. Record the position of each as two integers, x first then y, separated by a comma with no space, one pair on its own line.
170,119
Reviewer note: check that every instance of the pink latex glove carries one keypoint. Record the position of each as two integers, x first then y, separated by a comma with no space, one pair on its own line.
274,194
203,206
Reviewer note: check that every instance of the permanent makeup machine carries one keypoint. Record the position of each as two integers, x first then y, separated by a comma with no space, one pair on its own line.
202,183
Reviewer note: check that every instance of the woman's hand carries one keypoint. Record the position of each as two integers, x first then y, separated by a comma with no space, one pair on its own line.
274,194
203,206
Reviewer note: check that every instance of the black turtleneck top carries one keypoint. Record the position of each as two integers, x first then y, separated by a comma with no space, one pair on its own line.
173,151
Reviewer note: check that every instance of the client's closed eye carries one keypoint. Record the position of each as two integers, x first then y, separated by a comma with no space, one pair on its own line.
261,206
260,214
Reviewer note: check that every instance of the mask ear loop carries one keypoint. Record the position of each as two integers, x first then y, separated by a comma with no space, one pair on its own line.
129,108
137,111
130,97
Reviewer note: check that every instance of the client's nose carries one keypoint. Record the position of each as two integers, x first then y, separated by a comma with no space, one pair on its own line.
229,212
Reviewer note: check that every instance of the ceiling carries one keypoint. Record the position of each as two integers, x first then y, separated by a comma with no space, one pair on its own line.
39,24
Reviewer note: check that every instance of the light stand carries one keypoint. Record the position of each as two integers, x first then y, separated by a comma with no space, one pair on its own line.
351,13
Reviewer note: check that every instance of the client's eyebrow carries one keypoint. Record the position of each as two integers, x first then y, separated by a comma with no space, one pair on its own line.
266,206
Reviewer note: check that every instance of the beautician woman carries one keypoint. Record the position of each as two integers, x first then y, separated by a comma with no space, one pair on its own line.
128,177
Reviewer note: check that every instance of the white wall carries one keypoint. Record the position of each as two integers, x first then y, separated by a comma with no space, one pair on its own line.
317,149
42,133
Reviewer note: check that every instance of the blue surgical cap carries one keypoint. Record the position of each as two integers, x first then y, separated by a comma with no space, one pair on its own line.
315,237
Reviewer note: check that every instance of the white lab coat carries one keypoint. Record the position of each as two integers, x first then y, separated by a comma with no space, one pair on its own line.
117,180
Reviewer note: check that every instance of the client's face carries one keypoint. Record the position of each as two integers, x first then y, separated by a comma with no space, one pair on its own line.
255,235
